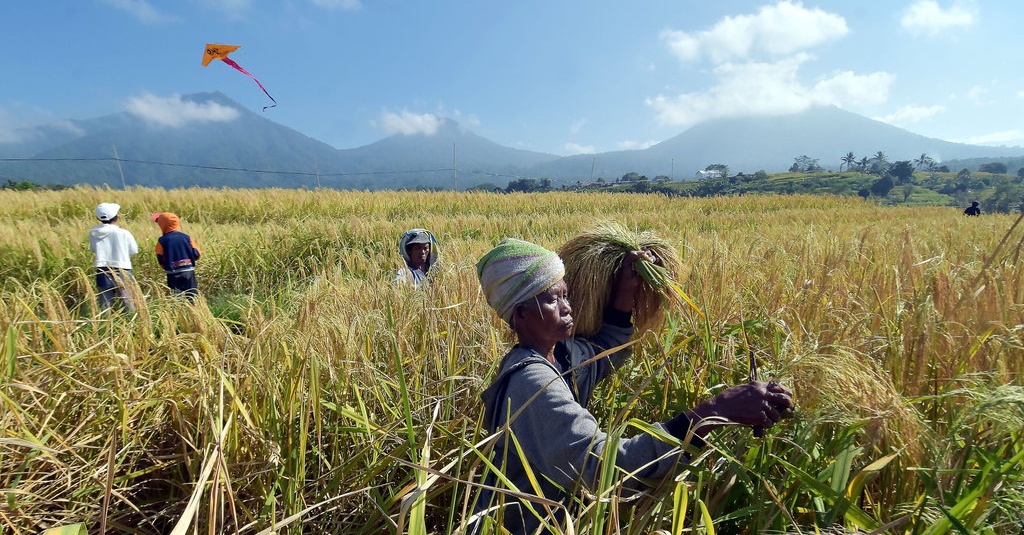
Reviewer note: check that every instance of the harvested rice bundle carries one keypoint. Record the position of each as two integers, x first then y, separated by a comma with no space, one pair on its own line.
591,259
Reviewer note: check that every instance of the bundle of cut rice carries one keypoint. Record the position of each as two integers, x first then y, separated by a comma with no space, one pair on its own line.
591,260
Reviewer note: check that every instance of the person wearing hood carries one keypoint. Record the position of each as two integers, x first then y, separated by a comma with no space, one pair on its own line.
544,386
177,253
113,247
419,250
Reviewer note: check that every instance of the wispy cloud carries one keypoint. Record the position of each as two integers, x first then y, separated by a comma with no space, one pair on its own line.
234,10
576,148
174,112
345,5
634,145
17,128
927,17
1005,138
774,31
407,123
911,114
142,10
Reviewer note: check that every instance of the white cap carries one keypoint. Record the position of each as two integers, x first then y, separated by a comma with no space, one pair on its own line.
107,211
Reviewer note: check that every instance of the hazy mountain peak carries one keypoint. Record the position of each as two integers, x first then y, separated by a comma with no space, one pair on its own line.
207,139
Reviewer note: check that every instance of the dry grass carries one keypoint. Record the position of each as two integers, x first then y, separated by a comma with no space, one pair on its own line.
304,385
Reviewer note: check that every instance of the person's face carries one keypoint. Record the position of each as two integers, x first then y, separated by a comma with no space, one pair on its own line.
547,318
419,253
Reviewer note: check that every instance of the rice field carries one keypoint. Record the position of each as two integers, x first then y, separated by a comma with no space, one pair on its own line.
305,393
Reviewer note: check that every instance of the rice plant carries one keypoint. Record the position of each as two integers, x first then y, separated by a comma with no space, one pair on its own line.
305,393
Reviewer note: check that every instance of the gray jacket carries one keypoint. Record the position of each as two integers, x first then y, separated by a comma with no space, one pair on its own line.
560,438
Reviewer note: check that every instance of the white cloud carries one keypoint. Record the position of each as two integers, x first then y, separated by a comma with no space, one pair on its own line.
471,120
849,89
408,123
1020,95
576,148
911,114
781,29
1005,138
142,10
26,126
348,5
9,131
926,17
768,89
577,126
174,112
978,94
631,145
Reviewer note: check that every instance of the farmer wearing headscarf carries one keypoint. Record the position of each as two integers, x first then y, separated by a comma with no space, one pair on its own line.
418,248
545,383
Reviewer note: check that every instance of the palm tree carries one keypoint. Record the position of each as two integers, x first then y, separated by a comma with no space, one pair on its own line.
849,160
862,164
924,161
881,162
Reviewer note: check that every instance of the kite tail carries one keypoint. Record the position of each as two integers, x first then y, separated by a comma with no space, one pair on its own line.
231,62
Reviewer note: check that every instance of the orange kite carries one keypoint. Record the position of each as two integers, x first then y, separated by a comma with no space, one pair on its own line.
221,52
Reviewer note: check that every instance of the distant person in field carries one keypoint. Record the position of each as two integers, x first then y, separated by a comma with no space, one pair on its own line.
419,250
544,385
113,247
973,209
177,253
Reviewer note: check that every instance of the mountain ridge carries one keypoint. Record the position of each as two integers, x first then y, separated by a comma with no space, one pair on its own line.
253,151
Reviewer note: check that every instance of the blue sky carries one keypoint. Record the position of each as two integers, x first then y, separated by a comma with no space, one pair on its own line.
558,76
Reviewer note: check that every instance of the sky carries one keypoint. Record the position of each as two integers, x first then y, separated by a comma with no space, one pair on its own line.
558,76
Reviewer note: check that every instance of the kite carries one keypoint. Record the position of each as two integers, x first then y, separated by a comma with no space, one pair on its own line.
221,52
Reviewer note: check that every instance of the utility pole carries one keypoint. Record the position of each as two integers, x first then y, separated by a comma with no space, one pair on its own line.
455,168
119,170
316,167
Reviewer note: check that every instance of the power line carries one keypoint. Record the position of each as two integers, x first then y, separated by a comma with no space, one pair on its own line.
264,171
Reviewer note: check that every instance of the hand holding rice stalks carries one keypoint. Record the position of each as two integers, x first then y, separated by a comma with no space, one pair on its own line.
591,260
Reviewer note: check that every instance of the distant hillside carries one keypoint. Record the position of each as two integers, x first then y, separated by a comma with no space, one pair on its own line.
253,151
770,144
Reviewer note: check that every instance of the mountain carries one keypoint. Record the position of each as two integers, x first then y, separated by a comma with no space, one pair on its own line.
253,151
750,144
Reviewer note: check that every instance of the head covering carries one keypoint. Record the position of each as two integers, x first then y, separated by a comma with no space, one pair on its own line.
516,270
107,211
418,235
168,222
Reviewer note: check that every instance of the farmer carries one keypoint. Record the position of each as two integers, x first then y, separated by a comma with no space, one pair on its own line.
973,209
419,250
545,382
113,247
177,253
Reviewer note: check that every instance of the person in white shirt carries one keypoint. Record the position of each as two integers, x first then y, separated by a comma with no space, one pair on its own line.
113,247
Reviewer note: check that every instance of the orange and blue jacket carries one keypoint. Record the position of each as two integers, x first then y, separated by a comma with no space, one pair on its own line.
176,251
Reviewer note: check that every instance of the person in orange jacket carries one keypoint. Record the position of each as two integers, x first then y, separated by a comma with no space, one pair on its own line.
177,253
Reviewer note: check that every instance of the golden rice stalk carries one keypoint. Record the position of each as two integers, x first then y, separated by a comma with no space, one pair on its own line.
591,259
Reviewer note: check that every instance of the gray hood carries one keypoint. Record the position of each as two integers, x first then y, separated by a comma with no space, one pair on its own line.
408,236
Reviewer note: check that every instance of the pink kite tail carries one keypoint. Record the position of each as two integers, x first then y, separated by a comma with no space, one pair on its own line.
231,62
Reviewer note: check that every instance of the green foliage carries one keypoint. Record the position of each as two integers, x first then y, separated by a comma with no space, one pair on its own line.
902,172
998,168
